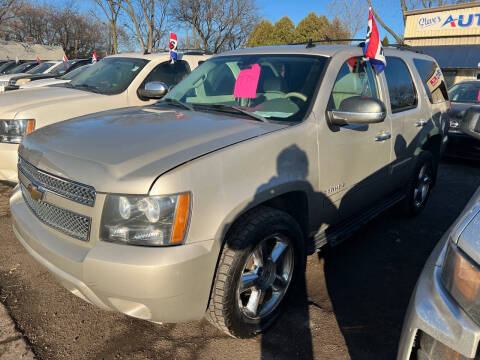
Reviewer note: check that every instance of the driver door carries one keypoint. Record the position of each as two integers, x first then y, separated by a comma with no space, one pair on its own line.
353,160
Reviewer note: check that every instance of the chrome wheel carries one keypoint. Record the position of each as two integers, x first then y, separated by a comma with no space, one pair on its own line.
266,276
422,187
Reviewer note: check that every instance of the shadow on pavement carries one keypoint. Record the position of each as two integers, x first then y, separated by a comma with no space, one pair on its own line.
371,276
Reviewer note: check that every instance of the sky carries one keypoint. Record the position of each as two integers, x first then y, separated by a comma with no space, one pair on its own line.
388,10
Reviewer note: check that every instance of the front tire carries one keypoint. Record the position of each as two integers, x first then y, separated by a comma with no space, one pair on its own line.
262,256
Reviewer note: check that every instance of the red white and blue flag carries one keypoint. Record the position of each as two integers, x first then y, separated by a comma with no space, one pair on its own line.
65,59
373,47
173,47
94,57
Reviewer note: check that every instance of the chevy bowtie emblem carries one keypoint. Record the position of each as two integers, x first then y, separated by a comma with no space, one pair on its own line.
36,193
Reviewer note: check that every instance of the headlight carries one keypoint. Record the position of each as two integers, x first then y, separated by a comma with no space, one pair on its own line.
13,131
461,277
4,83
146,220
21,81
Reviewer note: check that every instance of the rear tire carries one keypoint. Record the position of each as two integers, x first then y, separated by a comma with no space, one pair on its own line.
262,257
420,185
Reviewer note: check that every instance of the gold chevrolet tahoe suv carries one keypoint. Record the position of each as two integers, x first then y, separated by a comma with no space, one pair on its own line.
208,202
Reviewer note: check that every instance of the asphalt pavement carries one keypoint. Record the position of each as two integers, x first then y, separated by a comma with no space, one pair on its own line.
351,307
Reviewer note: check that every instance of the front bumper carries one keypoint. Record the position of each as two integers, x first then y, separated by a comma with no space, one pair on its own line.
8,162
434,312
170,284
462,146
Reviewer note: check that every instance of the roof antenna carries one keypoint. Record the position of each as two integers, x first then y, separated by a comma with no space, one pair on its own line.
310,44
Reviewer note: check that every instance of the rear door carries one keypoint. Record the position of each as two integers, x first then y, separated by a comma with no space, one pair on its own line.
409,111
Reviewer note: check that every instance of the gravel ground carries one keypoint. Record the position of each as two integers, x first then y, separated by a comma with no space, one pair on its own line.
353,306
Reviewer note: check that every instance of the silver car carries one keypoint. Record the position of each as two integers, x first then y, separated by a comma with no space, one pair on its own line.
443,318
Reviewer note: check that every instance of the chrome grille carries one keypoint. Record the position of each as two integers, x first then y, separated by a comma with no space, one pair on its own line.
65,221
79,193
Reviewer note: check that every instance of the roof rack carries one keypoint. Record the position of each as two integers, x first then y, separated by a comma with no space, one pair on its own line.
311,43
406,47
195,52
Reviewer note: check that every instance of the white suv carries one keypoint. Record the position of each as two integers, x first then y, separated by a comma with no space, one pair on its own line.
115,82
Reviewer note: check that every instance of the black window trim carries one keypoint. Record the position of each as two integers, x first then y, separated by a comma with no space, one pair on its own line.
405,108
142,83
430,97
376,78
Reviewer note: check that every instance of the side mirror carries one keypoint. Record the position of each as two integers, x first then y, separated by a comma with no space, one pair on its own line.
358,110
470,124
153,90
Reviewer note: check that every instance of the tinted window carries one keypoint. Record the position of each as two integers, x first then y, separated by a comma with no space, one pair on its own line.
400,85
465,92
169,73
276,87
355,78
40,68
433,80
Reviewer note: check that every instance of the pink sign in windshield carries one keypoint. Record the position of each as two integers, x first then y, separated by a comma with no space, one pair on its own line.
247,82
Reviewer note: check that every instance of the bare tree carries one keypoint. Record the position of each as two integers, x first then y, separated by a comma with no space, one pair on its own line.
352,11
7,9
78,34
220,24
148,19
397,38
111,9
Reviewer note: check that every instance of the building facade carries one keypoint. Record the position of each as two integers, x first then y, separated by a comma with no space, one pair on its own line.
450,34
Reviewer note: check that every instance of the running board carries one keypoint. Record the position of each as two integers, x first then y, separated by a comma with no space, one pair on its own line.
337,233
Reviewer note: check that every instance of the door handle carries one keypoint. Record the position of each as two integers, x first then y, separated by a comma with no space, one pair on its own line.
421,123
383,136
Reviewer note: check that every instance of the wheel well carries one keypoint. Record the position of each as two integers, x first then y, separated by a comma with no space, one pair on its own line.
433,145
296,205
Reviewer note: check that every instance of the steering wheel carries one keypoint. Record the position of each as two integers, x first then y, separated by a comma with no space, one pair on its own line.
296,95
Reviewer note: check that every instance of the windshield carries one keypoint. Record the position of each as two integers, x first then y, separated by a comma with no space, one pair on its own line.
109,76
20,68
73,73
62,69
465,93
40,68
5,66
275,87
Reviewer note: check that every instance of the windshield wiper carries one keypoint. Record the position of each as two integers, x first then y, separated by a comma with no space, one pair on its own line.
223,107
87,87
177,102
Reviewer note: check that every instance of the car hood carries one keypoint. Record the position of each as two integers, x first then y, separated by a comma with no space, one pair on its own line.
13,102
468,227
125,150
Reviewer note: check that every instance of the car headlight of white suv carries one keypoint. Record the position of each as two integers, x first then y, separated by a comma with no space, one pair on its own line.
146,220
13,131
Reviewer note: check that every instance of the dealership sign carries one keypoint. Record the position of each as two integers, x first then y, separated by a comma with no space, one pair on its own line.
449,21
